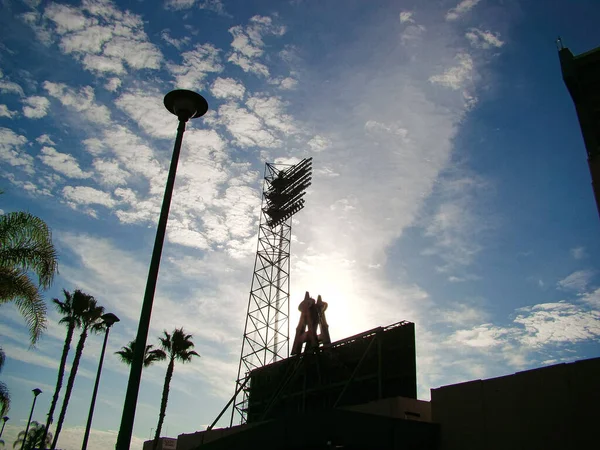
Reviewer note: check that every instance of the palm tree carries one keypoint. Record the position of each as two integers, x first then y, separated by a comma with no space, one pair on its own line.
72,310
90,321
34,438
179,347
150,356
26,246
4,394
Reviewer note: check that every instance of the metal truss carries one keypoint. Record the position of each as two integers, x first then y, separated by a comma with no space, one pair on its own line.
266,333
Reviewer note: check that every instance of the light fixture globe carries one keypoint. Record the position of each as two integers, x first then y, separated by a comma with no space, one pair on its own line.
186,104
36,392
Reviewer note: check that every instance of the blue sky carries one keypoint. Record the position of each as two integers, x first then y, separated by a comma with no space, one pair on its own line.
450,189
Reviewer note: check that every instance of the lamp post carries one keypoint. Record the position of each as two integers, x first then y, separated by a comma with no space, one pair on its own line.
108,319
36,392
5,418
185,105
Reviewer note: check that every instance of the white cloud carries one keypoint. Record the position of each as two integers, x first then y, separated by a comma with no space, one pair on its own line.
102,64
248,65
485,335
461,9
577,281
210,5
12,152
461,315
245,127
374,128
85,195
287,83
62,163
457,77
111,172
35,107
213,5
557,323
533,329
272,111
5,112
177,43
406,17
8,87
179,4
66,18
44,139
463,279
104,38
319,143
35,20
227,88
113,84
134,156
484,38
248,45
455,224
197,64
147,109
32,3
137,54
82,101
412,35
578,253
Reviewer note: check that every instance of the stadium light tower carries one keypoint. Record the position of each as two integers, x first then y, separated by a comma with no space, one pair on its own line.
266,334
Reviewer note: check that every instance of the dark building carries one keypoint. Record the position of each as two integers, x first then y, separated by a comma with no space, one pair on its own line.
550,408
582,77
356,393
373,365
360,393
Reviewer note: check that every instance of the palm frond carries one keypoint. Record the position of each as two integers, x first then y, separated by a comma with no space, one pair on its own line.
34,437
178,345
186,356
17,287
26,243
153,356
150,356
126,353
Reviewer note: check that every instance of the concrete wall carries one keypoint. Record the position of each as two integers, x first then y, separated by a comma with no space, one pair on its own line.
549,408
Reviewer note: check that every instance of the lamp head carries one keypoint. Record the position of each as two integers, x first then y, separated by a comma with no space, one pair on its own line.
5,418
110,319
36,392
185,104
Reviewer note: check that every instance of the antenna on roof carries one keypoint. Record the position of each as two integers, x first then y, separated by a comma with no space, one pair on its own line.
559,44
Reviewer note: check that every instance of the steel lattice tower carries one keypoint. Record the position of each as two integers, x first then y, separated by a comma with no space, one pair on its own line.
266,333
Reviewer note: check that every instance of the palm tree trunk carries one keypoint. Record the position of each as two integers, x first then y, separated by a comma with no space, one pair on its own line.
163,402
70,383
59,381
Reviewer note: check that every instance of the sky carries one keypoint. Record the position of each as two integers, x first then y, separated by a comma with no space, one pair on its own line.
450,183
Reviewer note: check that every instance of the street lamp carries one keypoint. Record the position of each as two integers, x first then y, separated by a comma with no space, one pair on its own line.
185,105
36,392
5,418
108,319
